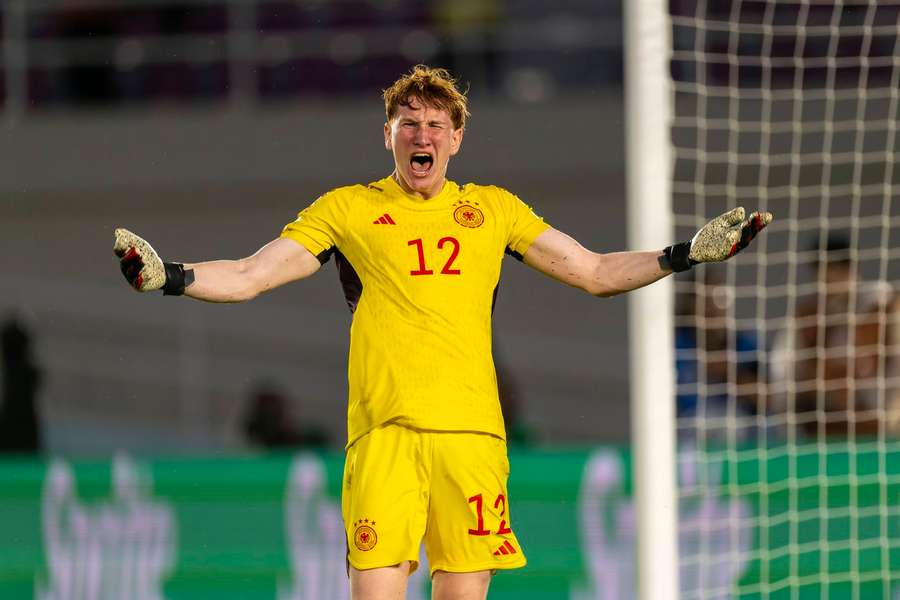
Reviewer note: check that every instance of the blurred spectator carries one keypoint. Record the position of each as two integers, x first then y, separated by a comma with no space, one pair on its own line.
716,366
20,430
891,364
837,366
267,423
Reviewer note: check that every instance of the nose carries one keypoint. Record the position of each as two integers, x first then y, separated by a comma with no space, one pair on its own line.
421,138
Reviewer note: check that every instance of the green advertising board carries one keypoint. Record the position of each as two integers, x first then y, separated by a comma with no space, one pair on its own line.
816,522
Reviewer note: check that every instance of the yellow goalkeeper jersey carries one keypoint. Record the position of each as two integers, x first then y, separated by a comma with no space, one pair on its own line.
420,277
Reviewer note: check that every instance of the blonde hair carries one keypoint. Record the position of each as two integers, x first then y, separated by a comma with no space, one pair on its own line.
432,86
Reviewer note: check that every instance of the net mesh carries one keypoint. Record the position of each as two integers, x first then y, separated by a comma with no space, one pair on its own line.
787,357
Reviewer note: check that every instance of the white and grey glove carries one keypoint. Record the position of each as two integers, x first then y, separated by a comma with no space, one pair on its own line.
144,270
718,240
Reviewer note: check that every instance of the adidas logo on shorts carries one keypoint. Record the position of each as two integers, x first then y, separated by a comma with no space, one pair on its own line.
505,549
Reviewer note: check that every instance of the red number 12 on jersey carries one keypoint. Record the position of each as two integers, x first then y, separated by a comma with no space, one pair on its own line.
448,266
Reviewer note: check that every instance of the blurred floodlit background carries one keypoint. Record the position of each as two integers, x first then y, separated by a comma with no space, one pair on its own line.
166,441
206,125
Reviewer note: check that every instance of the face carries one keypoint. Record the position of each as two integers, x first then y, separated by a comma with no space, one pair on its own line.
422,139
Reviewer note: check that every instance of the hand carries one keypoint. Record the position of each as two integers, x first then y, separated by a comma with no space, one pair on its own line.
141,265
718,240
726,235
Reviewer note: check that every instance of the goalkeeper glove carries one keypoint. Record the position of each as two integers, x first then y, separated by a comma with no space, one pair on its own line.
718,240
144,270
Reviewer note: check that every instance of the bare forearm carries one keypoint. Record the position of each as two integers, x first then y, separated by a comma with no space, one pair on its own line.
619,272
561,257
277,263
222,281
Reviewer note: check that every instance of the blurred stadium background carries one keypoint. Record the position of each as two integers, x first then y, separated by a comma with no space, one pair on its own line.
223,122
187,451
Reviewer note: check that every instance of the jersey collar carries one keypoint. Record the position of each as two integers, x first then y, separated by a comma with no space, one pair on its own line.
393,188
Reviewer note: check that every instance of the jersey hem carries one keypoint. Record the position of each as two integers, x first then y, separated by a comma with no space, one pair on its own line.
492,433
304,240
530,235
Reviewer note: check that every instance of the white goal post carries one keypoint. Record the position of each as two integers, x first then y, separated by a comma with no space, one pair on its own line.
652,377
766,389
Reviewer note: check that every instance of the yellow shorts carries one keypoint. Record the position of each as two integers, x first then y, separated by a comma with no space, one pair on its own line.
402,485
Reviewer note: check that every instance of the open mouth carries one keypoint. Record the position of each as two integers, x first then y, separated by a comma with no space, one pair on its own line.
421,163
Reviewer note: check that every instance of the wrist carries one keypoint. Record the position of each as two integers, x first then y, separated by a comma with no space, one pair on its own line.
677,257
177,279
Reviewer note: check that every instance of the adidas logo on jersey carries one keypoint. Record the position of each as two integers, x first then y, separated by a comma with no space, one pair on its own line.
505,549
384,219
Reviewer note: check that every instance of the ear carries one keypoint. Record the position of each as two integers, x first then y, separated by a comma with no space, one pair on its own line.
456,140
387,136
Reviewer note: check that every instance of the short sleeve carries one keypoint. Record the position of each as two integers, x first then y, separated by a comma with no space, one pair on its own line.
524,225
319,227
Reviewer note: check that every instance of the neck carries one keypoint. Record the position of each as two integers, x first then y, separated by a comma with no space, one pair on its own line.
424,195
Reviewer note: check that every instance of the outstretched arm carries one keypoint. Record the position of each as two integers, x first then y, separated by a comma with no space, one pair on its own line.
562,258
559,256
278,262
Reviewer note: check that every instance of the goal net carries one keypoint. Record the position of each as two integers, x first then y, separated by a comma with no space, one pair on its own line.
787,357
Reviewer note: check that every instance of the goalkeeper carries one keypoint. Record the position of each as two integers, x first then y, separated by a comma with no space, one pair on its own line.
419,258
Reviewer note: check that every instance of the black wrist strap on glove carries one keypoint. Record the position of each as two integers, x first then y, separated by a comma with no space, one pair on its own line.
678,256
177,279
